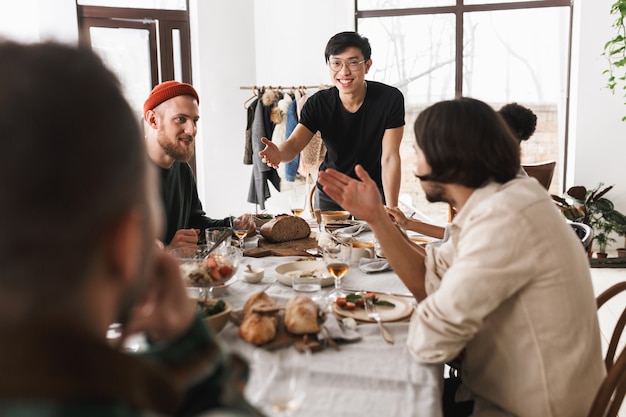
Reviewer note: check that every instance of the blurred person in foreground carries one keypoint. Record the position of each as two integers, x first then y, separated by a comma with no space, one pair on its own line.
361,122
522,122
171,116
79,221
502,293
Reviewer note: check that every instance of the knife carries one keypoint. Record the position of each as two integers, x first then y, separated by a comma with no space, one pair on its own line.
396,294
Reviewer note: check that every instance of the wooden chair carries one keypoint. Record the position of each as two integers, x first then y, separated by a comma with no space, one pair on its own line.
542,172
610,395
601,299
584,233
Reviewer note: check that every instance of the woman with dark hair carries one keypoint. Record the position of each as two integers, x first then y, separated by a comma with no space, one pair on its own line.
521,120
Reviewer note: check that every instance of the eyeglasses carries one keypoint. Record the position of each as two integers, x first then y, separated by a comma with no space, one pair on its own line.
337,64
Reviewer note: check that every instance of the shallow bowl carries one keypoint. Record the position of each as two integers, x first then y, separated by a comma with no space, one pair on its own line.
333,216
253,276
219,320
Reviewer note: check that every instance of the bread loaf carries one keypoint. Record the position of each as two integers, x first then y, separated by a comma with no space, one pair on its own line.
257,299
258,329
301,315
284,228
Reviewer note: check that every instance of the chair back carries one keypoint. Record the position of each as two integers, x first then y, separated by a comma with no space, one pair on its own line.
542,172
584,233
610,395
601,299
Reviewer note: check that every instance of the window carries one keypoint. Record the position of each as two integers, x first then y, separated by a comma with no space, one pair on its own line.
494,51
142,46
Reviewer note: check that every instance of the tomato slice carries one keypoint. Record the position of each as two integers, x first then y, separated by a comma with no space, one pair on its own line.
341,301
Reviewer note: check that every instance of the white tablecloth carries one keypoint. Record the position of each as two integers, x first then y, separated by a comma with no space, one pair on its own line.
364,378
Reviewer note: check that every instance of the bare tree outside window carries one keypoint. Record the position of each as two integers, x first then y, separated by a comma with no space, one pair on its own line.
496,52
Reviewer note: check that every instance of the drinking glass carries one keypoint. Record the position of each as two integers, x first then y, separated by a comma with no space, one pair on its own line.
240,231
337,260
287,382
297,203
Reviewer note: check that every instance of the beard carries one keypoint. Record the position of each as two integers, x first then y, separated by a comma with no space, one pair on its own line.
434,193
174,150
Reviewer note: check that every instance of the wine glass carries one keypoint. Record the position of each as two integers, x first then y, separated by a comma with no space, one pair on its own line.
337,260
288,381
297,202
240,230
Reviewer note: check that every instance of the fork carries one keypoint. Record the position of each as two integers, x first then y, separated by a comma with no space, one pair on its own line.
372,313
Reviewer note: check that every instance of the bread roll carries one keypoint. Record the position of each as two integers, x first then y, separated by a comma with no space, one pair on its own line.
301,315
257,328
257,299
284,228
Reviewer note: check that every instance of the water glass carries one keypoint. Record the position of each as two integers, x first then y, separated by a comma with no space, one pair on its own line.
307,283
213,233
288,381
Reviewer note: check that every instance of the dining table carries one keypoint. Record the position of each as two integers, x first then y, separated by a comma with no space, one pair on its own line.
363,376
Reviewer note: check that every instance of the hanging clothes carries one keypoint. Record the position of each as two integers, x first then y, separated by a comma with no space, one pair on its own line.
312,155
247,152
262,126
279,118
291,167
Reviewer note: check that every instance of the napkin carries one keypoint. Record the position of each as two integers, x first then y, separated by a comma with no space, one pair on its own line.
373,265
338,331
352,230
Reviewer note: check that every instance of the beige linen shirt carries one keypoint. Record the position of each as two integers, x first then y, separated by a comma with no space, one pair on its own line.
511,286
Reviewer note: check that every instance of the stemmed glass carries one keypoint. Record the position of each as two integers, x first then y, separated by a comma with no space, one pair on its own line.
337,260
240,231
297,203
288,381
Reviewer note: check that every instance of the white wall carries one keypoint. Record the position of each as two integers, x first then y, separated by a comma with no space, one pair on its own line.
270,42
596,128
39,20
246,43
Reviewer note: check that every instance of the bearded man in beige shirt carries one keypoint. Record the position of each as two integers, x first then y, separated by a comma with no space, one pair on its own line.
509,291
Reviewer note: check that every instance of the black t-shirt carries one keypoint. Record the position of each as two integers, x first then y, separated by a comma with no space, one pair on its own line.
182,207
354,138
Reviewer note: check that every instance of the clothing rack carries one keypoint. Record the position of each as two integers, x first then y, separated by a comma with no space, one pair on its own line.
285,87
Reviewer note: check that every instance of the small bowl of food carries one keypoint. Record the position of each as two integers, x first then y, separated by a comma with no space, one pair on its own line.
215,311
334,216
201,269
253,275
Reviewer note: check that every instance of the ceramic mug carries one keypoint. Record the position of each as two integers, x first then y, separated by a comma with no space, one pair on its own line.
361,249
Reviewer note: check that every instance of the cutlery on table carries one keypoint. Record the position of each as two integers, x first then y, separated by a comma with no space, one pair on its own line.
372,313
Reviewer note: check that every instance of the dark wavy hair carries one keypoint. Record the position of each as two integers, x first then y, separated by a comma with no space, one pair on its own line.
465,142
344,40
521,120
75,162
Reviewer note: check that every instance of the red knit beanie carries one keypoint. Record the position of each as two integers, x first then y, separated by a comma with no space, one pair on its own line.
167,90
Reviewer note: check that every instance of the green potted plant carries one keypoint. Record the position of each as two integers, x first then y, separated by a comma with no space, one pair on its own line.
602,236
615,50
592,208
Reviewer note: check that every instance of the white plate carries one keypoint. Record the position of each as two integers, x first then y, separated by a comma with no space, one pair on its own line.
283,271
402,309
339,224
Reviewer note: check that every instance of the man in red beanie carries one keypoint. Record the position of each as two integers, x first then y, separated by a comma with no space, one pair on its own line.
171,115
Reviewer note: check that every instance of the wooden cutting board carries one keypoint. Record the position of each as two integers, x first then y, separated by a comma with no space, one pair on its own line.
291,248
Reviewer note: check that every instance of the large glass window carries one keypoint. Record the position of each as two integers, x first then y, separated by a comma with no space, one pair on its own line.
138,4
494,51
